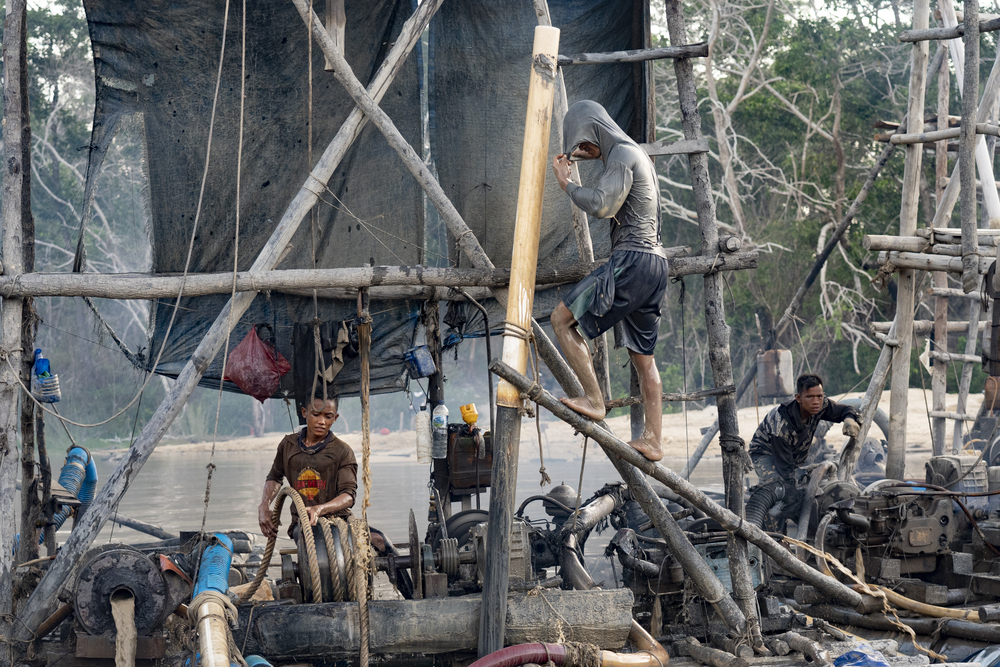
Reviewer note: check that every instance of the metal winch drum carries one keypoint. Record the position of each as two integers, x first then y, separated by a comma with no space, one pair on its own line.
115,568
330,569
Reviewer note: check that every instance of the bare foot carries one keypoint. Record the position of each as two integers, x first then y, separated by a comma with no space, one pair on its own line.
648,448
585,407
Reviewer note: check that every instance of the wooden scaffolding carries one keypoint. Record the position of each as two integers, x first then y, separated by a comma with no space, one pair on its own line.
19,282
964,253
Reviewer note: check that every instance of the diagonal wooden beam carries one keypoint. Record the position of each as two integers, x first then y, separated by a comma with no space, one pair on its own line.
452,218
44,597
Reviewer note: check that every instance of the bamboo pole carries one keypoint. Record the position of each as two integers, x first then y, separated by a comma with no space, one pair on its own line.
962,358
524,260
896,454
581,227
953,293
869,404
327,282
699,50
734,452
42,600
16,205
879,242
618,450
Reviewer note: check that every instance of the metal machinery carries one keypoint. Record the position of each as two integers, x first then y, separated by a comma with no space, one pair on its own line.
450,559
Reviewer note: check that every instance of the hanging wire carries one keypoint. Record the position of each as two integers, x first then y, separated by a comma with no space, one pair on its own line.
236,258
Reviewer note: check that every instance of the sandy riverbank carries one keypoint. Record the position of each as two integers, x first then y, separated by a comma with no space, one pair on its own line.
680,435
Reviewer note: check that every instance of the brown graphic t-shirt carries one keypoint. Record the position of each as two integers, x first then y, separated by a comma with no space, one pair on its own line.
319,473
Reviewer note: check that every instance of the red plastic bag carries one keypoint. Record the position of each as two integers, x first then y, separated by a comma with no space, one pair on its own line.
256,367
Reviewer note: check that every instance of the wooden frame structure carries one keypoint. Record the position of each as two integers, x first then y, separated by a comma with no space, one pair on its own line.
966,252
738,610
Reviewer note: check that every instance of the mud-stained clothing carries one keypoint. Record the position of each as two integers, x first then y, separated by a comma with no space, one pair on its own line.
628,289
319,473
781,442
631,284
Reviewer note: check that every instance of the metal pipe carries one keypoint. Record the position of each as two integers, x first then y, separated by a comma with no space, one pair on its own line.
815,477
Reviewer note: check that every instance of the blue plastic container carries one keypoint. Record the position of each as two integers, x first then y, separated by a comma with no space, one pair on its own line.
419,362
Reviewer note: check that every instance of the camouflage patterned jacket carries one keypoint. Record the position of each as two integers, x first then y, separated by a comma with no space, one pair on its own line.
785,437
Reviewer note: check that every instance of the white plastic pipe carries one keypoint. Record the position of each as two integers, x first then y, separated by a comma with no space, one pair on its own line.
983,163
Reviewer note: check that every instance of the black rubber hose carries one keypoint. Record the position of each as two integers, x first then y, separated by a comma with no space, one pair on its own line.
760,503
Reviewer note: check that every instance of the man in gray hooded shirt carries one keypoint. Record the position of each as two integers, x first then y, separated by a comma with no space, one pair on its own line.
629,286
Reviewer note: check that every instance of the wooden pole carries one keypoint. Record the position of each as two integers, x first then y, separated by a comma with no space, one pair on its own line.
954,32
31,505
326,281
896,456
734,454
16,204
966,150
524,259
928,262
42,600
30,502
939,371
699,50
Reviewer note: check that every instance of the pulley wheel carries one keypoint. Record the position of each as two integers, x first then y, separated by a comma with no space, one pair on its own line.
111,569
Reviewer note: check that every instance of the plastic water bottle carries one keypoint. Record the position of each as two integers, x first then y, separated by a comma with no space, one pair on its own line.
44,383
41,364
439,447
424,436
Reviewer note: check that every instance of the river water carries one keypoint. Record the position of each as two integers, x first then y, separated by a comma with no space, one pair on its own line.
169,491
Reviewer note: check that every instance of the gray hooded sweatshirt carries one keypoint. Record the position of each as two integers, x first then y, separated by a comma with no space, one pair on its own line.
627,191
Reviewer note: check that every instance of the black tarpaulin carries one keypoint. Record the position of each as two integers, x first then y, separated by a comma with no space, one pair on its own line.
156,62
159,61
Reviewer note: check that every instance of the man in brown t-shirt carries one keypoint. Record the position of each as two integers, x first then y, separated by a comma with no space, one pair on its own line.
317,464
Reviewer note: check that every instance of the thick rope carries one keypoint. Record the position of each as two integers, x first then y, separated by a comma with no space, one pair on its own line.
365,344
331,555
307,535
362,560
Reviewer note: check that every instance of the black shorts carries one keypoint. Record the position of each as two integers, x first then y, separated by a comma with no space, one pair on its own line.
628,289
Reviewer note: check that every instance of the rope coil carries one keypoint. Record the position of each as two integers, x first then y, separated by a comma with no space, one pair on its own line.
357,561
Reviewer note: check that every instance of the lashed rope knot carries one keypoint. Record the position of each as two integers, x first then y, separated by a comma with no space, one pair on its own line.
734,444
